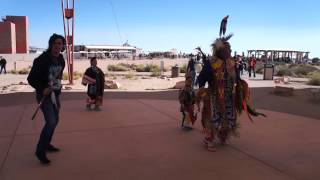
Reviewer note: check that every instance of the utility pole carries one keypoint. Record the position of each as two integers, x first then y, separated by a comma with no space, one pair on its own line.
68,23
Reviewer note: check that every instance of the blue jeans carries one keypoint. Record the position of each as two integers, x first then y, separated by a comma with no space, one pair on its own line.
3,68
51,117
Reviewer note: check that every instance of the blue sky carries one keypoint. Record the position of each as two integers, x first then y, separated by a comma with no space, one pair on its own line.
182,24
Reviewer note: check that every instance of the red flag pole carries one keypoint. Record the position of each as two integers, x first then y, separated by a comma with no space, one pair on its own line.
65,34
67,15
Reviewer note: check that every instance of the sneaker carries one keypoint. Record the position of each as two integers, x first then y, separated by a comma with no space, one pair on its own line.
97,108
42,158
206,141
88,107
187,128
51,148
211,147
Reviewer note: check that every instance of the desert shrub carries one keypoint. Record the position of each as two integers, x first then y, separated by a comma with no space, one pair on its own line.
117,67
183,69
130,75
155,72
147,68
314,78
294,70
129,66
315,60
77,75
133,66
283,70
154,68
13,72
303,70
65,76
24,71
259,68
140,68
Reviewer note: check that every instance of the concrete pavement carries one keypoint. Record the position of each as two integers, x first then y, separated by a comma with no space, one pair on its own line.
139,138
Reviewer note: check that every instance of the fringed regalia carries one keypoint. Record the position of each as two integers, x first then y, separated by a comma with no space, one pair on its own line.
204,95
222,74
94,78
228,94
187,101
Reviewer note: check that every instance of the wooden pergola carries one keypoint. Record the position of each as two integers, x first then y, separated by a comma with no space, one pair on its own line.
271,55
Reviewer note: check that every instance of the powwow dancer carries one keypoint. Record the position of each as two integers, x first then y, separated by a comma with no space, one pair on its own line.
94,78
228,93
204,95
187,101
191,70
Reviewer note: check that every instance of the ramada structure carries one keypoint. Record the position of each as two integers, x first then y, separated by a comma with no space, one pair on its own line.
271,55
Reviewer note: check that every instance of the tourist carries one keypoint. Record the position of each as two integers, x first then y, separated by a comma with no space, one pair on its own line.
45,77
3,64
252,66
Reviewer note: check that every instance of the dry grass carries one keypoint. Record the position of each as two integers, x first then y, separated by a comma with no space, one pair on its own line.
24,71
117,67
314,78
76,75
183,69
300,71
155,72
131,76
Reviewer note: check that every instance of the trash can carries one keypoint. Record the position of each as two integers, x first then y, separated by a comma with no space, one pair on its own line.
175,71
268,72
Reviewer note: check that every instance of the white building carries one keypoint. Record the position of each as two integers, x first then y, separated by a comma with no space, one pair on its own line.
106,51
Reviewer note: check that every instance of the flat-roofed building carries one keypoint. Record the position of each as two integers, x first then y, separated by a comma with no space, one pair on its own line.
7,38
14,35
22,34
105,51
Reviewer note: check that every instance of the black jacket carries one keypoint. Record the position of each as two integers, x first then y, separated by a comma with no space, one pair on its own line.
3,62
38,77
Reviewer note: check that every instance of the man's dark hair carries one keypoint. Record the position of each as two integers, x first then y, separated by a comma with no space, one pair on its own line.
53,38
92,59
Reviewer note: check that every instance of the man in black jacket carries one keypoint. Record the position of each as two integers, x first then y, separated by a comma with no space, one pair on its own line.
3,64
45,77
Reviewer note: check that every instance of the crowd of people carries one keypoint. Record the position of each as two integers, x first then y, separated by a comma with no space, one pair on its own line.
220,95
246,64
